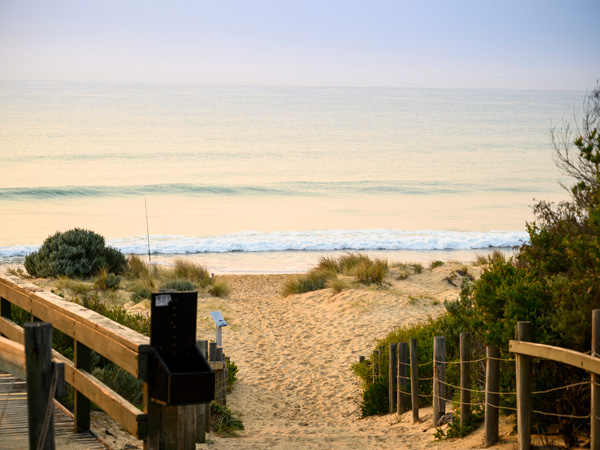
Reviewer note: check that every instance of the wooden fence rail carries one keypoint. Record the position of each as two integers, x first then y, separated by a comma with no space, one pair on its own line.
92,331
524,351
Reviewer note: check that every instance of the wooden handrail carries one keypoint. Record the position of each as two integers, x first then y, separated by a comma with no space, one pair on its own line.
123,346
563,355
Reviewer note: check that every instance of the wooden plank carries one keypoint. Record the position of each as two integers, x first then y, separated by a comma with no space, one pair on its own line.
11,286
38,353
108,338
12,358
595,400
414,379
12,331
558,354
523,369
465,379
131,418
216,365
492,396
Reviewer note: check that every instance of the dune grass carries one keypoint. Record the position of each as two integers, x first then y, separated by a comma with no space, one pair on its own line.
326,274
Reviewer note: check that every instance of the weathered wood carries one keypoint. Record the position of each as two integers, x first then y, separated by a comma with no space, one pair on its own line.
563,355
465,379
361,359
203,410
200,423
439,378
595,406
414,379
108,400
402,377
492,396
212,351
523,363
108,338
12,358
82,403
40,411
173,427
392,375
12,331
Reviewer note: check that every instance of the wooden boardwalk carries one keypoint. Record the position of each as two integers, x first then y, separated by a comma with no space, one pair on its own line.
13,420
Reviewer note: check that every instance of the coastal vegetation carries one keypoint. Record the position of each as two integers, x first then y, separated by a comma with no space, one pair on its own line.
76,253
552,282
339,274
78,266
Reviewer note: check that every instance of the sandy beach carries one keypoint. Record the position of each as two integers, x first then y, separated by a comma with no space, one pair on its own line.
295,389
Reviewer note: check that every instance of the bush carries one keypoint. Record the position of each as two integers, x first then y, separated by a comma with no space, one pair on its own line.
179,285
107,281
75,253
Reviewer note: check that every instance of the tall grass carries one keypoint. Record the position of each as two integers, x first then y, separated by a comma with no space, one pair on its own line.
325,274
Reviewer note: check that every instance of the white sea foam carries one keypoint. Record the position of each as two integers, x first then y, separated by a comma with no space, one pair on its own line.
316,240
324,240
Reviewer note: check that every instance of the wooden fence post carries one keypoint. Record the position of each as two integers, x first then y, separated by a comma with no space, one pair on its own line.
392,376
492,397
375,365
439,378
465,378
523,363
40,405
595,407
201,409
82,403
414,379
402,376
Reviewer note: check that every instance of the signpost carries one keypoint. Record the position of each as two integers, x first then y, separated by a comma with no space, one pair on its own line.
220,323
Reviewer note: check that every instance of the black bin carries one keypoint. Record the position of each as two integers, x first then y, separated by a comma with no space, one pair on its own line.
179,374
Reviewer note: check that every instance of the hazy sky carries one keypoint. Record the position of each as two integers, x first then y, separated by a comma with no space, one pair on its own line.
508,43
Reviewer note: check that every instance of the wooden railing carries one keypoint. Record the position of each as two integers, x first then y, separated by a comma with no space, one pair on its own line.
90,331
526,350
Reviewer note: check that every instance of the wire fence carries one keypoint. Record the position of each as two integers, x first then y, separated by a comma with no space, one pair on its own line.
434,389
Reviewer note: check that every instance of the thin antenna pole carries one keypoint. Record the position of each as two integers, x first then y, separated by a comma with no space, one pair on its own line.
147,230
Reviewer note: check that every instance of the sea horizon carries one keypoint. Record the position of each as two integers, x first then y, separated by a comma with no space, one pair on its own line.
271,172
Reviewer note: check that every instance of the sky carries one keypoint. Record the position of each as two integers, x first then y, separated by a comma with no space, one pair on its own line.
509,43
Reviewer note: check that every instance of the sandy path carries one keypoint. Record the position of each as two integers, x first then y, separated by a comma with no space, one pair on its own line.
295,389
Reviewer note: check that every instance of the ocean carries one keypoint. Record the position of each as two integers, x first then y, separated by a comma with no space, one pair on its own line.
266,179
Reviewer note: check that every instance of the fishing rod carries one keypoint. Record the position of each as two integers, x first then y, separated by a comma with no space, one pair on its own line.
147,231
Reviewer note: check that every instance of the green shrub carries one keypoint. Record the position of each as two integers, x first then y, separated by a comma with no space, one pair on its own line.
375,398
435,264
417,268
122,382
179,285
107,281
232,370
75,253
223,421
